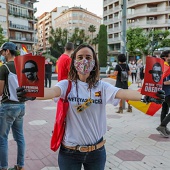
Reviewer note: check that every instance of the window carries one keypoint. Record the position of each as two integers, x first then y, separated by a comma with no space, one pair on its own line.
110,35
111,6
3,19
110,26
2,5
110,16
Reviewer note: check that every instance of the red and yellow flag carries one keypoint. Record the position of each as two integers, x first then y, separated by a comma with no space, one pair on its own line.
166,71
149,109
24,48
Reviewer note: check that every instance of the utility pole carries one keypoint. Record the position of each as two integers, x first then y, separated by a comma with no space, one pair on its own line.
123,33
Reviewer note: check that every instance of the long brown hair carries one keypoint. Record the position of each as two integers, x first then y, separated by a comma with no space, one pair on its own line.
94,74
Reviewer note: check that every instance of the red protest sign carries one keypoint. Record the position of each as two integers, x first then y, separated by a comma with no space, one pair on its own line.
30,73
153,76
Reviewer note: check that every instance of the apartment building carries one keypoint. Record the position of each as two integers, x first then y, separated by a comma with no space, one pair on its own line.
146,14
77,17
44,25
17,20
3,17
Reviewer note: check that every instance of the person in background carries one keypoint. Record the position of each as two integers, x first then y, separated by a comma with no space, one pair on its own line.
165,115
63,63
48,72
11,112
83,141
2,58
124,85
139,76
133,70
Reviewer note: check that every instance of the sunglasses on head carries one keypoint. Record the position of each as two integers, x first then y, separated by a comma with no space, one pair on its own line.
84,106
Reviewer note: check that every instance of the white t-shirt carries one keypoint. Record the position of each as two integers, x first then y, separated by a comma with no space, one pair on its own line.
89,126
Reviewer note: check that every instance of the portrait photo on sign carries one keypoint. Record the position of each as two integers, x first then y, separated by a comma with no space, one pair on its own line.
30,72
153,76
156,72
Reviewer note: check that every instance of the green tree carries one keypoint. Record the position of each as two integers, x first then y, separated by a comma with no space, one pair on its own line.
92,29
165,43
57,40
145,42
78,37
136,40
95,41
102,48
2,37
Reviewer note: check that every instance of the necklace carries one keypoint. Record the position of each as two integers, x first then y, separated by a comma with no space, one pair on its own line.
85,105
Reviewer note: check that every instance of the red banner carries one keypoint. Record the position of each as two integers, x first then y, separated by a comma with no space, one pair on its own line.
153,76
30,73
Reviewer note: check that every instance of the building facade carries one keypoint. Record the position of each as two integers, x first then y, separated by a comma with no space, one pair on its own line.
3,17
44,25
77,17
146,14
21,22
17,20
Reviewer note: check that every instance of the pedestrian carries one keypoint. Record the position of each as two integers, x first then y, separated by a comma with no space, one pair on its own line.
48,72
165,116
139,76
133,70
119,83
63,63
11,110
83,142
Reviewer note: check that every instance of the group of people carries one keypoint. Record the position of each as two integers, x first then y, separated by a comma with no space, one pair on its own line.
83,141
137,71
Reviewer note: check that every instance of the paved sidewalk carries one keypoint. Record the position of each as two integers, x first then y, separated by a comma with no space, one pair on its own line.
132,142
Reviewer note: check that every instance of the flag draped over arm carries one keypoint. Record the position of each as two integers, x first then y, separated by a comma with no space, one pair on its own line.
166,71
149,109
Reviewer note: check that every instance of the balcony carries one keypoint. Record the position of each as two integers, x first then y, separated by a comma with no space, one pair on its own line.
23,39
21,4
139,2
17,14
149,11
150,24
114,40
21,27
109,2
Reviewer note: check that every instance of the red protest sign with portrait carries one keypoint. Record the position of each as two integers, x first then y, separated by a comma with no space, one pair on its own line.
30,74
153,76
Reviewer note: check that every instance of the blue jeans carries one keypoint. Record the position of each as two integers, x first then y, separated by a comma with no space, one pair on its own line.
73,160
11,116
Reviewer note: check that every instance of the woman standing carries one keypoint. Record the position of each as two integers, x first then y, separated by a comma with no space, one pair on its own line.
83,143
139,78
133,70
119,83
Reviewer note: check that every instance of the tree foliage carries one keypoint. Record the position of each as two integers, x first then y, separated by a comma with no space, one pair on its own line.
57,40
92,29
140,41
102,48
78,37
95,41
2,37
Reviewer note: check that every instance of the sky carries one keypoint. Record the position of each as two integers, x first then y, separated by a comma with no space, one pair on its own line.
94,6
